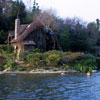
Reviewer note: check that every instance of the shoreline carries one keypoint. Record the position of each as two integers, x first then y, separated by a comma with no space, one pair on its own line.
39,72
62,72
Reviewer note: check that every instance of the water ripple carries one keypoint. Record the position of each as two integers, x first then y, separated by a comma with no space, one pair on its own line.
50,87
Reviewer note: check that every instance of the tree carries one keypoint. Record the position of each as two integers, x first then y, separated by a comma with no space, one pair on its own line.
92,31
3,37
17,10
35,9
47,18
79,39
64,40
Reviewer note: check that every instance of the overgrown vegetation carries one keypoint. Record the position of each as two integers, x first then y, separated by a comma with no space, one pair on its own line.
35,59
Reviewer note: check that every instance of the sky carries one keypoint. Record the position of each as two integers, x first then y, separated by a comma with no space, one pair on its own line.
87,10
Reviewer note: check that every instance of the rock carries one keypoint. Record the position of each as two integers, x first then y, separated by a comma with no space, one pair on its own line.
72,71
94,71
64,60
1,73
7,69
12,74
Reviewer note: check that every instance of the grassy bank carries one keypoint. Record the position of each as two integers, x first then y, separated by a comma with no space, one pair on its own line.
35,60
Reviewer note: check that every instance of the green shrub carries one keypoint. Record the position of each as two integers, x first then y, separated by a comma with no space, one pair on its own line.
1,67
10,64
90,62
34,59
46,68
35,51
78,67
53,60
82,68
18,68
7,48
89,56
65,67
7,52
2,60
98,62
23,55
74,56
86,65
10,56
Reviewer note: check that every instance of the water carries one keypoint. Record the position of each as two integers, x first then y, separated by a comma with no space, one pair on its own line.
50,87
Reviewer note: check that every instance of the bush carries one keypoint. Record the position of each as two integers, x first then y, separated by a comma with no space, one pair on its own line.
3,36
66,67
34,59
10,56
74,56
1,67
23,55
18,68
83,68
35,51
89,56
98,62
67,60
2,60
53,60
7,48
10,64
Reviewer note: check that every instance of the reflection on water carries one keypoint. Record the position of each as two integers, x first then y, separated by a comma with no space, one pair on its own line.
50,87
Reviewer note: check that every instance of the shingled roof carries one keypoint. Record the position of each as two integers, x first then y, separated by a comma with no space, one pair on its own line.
25,30
21,30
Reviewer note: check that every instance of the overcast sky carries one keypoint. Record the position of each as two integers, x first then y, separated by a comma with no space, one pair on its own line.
88,10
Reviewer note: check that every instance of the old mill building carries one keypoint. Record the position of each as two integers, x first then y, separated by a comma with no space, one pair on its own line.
31,36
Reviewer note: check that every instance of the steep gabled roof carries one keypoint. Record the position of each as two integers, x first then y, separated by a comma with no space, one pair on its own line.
33,26
21,30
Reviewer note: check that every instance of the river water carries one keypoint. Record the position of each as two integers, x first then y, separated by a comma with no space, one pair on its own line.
50,87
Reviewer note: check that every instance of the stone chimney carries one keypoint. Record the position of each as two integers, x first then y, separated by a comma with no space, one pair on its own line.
17,27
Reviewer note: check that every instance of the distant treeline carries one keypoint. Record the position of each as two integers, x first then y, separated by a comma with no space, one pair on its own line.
73,34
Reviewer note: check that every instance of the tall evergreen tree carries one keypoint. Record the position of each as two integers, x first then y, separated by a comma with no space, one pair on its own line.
17,10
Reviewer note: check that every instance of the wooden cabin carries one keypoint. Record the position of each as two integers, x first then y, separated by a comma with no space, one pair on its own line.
31,36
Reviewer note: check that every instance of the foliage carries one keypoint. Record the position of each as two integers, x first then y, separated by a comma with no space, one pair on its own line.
85,66
64,39
17,9
18,68
35,51
33,59
9,56
3,37
23,55
1,67
7,52
90,62
98,62
7,48
73,35
53,60
2,60
74,56
65,67
10,64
